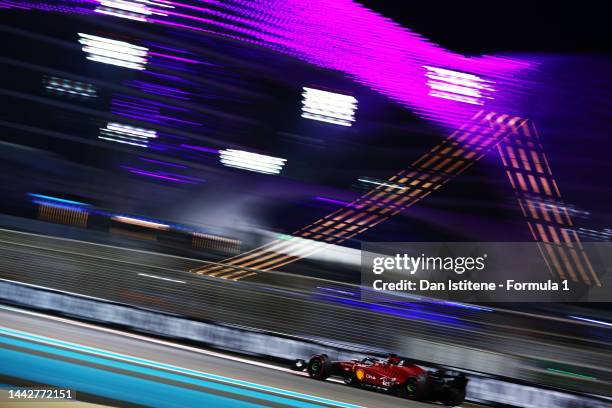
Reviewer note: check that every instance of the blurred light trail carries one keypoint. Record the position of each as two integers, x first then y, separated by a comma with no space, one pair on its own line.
602,235
114,52
570,374
149,111
371,49
66,86
164,176
463,305
251,161
132,10
328,107
331,200
584,319
539,198
11,4
379,183
395,311
141,222
146,275
117,132
174,57
346,36
163,163
200,148
342,292
57,200
457,86
157,89
137,10
418,74
432,170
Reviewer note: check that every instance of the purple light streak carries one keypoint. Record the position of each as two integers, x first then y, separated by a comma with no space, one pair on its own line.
158,54
164,176
159,176
157,89
200,148
166,76
371,49
148,111
165,47
337,202
163,163
367,47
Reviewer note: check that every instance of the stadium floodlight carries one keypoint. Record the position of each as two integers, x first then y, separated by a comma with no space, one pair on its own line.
328,107
124,9
137,10
114,52
117,132
457,86
68,87
251,161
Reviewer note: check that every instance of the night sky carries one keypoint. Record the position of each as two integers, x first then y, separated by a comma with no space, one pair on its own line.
251,98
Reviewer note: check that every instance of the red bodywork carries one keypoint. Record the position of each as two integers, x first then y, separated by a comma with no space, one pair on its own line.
383,374
394,375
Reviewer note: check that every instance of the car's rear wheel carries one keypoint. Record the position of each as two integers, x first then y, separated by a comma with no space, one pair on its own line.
319,367
452,397
413,388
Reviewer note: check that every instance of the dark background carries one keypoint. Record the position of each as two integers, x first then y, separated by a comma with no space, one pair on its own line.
261,90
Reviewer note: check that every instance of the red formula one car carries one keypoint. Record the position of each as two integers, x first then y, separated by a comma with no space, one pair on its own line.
393,375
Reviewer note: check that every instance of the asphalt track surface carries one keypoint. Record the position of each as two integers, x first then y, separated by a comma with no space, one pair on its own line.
161,282
182,373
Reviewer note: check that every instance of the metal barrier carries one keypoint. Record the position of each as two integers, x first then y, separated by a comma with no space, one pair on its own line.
158,283
484,389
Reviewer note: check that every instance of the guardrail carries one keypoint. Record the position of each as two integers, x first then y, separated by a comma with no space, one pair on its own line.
493,390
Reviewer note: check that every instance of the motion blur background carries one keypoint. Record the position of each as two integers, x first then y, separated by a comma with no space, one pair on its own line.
209,93
204,130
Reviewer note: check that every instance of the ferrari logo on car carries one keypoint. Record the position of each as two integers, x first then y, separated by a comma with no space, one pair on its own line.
359,374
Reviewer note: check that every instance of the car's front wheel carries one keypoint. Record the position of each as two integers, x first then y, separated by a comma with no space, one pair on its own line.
319,367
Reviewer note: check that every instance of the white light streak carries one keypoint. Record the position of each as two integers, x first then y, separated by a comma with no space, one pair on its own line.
146,275
117,132
114,52
458,86
132,6
601,322
131,9
251,161
66,86
110,12
328,107
380,183
140,223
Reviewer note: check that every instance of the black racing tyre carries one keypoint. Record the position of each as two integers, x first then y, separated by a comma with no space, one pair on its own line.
452,396
319,367
413,388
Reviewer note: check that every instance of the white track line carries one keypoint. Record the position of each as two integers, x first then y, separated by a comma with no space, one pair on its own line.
153,340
